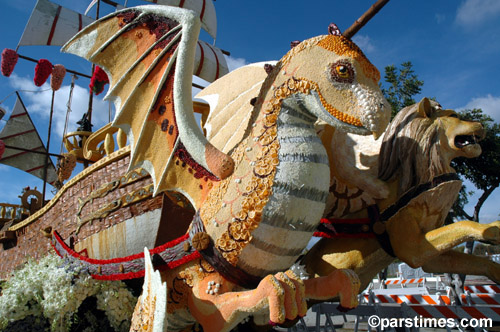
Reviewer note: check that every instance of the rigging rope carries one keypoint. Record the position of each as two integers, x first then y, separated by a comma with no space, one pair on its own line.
33,91
68,109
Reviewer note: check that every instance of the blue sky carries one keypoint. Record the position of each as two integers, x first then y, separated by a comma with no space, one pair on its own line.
454,47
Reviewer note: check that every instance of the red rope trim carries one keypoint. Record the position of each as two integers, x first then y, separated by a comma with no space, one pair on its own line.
55,249
53,28
119,259
140,274
129,275
345,221
185,259
344,235
169,244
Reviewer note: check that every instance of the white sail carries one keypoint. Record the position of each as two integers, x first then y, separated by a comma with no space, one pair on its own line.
210,62
20,132
94,2
52,24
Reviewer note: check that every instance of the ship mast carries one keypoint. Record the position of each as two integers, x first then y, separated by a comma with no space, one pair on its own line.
91,98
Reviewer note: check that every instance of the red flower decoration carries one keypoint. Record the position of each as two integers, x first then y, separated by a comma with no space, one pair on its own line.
9,60
99,79
57,77
2,148
43,70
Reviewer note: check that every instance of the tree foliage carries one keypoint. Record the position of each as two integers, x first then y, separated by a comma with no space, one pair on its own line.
402,84
482,171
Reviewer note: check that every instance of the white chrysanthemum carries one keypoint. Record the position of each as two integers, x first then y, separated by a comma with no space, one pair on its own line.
55,288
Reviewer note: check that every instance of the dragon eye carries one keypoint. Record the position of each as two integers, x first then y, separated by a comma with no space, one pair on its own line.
342,71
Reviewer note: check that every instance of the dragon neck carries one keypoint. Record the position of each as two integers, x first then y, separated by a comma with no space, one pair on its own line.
280,184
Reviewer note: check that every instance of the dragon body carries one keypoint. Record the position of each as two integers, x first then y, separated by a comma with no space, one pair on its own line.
263,216
258,200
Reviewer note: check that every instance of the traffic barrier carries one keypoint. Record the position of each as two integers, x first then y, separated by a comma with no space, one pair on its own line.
404,282
484,289
480,299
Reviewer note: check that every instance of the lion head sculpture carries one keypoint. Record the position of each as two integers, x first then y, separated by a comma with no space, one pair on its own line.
421,141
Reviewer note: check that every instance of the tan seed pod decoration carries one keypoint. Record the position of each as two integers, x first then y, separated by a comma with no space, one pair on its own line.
58,73
200,241
66,166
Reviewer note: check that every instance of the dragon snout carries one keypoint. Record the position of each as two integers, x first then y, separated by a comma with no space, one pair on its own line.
375,111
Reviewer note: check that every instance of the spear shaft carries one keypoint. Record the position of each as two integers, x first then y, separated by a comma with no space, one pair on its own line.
360,22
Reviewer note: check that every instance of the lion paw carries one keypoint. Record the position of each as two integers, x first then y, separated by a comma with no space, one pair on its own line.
492,232
341,283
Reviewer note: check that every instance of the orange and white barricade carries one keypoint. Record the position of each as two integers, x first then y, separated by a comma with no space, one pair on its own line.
414,295
405,282
483,289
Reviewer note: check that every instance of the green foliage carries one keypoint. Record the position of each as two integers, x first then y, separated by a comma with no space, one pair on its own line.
457,210
482,171
403,85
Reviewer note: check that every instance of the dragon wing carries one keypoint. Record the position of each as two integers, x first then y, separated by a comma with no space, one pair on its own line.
205,9
231,107
148,53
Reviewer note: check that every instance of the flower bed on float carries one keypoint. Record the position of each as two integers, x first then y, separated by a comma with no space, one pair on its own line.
50,293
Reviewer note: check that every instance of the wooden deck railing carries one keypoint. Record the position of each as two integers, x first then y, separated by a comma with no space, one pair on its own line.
11,211
92,146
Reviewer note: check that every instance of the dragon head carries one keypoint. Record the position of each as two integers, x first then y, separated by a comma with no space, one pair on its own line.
344,90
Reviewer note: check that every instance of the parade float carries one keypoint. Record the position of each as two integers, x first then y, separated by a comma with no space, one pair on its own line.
227,211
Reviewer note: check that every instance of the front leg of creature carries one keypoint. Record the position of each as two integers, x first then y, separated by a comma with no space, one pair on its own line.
277,298
438,257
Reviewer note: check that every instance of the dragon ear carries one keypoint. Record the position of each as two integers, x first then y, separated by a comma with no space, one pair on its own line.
334,30
425,108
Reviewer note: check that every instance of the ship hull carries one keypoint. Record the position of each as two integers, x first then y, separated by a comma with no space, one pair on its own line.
104,212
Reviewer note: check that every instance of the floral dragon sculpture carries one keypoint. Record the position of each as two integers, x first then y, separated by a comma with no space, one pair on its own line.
259,202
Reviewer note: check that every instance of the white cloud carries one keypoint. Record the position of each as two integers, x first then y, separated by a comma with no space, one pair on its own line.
473,12
440,18
489,104
235,63
40,102
364,43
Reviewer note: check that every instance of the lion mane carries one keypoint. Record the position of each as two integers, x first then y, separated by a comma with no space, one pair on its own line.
411,148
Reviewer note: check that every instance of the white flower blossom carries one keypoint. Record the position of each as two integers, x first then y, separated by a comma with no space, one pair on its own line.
55,288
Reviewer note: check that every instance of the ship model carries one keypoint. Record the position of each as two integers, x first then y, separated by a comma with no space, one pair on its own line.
104,211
